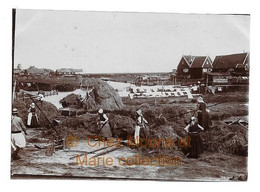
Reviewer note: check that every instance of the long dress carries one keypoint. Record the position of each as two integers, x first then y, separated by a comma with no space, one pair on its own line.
140,129
104,128
32,120
195,141
203,116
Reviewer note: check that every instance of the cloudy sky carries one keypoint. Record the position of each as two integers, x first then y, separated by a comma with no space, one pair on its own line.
104,42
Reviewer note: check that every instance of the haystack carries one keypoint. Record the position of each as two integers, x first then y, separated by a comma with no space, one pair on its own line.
101,95
223,138
70,100
121,126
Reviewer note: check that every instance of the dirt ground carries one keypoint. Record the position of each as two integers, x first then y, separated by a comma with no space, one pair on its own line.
210,166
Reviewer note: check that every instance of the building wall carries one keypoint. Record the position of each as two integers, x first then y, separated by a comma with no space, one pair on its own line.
196,73
181,66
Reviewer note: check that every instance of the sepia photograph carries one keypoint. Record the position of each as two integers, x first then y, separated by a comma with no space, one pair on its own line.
130,95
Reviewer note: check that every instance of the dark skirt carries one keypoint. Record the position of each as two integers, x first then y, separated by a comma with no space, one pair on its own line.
33,121
196,145
105,131
204,119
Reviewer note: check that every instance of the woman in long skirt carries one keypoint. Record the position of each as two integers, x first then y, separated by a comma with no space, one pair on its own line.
140,128
32,120
104,128
203,115
196,147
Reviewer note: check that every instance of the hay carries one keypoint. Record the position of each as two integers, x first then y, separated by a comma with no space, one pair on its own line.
49,110
70,100
121,126
102,96
223,138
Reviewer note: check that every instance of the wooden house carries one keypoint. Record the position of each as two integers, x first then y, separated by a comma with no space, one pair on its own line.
235,64
193,67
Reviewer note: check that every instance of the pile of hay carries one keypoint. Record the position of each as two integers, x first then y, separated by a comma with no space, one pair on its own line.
121,126
87,121
71,100
49,110
223,138
101,95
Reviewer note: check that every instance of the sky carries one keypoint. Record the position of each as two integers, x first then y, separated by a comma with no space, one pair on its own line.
121,42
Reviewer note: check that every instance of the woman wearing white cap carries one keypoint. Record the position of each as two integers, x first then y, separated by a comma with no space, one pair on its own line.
32,120
141,121
196,147
104,128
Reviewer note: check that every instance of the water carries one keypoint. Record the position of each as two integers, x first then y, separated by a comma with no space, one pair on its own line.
55,99
123,91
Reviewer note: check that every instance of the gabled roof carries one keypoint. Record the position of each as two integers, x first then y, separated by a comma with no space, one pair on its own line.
198,62
229,61
189,59
195,61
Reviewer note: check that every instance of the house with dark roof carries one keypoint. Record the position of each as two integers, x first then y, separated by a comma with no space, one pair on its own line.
193,67
235,64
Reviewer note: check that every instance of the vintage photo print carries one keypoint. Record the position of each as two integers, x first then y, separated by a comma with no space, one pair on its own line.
126,95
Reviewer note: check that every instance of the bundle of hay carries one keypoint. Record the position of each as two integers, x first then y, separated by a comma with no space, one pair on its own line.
223,138
121,126
87,121
71,100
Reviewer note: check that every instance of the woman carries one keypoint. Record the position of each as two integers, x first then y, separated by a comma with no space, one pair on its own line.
17,138
141,121
104,128
196,147
203,115
32,120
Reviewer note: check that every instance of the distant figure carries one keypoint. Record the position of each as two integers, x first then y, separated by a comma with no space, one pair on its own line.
80,100
203,115
104,128
40,97
193,129
32,120
141,126
17,137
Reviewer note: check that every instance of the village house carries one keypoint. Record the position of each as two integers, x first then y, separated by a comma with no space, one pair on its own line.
235,64
229,70
193,67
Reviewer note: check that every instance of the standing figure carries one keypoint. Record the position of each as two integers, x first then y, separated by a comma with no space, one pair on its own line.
32,120
17,138
141,126
203,115
40,97
104,128
196,147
